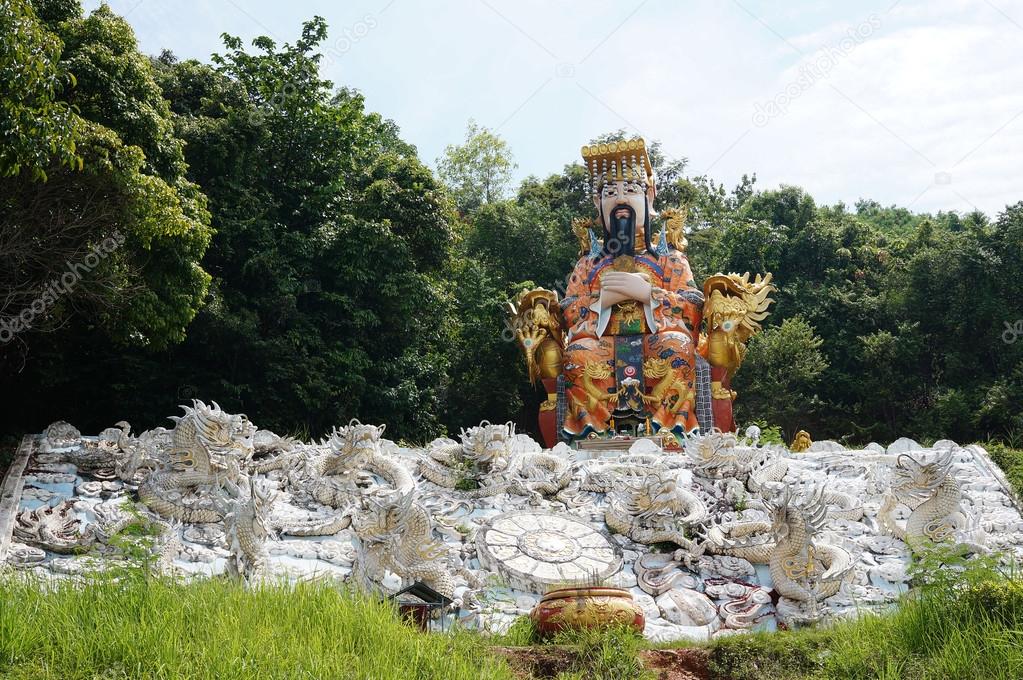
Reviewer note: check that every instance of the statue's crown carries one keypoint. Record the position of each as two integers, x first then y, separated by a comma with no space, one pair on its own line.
625,161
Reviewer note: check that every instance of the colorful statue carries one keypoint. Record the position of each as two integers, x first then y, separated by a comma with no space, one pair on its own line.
622,346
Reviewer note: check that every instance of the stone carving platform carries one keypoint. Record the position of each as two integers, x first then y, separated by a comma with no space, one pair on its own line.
358,508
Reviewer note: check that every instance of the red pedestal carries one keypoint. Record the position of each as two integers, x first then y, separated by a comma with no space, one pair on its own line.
548,418
722,408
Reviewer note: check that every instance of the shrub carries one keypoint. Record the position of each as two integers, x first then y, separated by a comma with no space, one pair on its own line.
1011,462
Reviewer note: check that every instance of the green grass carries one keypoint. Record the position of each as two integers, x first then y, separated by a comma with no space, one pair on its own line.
963,621
154,628
603,654
594,654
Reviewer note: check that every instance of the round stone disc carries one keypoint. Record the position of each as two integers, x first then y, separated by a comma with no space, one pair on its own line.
535,550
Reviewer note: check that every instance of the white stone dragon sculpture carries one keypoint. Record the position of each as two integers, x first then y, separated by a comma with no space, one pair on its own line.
933,497
207,449
56,529
336,472
654,509
396,533
718,456
248,528
486,459
802,566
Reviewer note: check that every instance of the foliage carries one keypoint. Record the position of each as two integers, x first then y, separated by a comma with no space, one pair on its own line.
1010,460
779,376
596,654
476,172
109,244
330,298
773,656
331,240
769,434
219,629
37,128
604,653
134,544
467,484
520,633
344,283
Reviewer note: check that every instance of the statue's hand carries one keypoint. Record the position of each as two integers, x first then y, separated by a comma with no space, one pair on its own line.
609,297
618,286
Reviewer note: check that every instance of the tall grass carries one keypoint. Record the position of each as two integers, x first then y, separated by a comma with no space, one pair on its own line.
964,620
603,654
153,628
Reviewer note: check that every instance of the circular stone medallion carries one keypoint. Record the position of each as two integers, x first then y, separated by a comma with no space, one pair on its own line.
532,550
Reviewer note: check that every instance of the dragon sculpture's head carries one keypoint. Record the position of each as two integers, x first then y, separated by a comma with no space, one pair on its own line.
652,496
380,518
489,446
655,499
249,500
356,442
538,326
712,454
734,308
262,499
915,479
793,512
222,431
226,438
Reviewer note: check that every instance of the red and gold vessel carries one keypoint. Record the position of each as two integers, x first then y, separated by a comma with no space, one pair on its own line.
581,607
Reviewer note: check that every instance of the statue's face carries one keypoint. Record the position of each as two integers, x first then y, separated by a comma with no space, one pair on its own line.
616,198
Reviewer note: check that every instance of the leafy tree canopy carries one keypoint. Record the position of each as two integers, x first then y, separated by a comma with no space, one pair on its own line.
478,171
99,226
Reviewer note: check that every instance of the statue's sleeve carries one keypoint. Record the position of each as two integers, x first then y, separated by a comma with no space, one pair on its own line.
579,318
679,304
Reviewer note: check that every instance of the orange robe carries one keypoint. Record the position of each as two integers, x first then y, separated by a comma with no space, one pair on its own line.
669,348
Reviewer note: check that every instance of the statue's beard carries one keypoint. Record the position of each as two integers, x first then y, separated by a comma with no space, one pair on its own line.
622,239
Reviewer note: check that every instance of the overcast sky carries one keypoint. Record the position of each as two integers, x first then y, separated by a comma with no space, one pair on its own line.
917,102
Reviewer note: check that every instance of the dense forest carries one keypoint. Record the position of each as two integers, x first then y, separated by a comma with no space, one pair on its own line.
247,232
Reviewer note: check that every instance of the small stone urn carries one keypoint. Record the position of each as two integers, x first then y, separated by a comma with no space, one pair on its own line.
580,607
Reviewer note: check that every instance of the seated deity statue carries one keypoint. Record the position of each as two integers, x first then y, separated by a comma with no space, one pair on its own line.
635,343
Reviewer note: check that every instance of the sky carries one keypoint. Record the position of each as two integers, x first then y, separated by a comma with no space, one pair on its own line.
917,103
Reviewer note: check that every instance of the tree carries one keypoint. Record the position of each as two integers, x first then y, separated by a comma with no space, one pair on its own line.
112,241
38,129
332,247
330,296
476,172
779,377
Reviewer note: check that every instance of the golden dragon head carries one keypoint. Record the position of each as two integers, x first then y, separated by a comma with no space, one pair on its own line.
735,304
734,308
